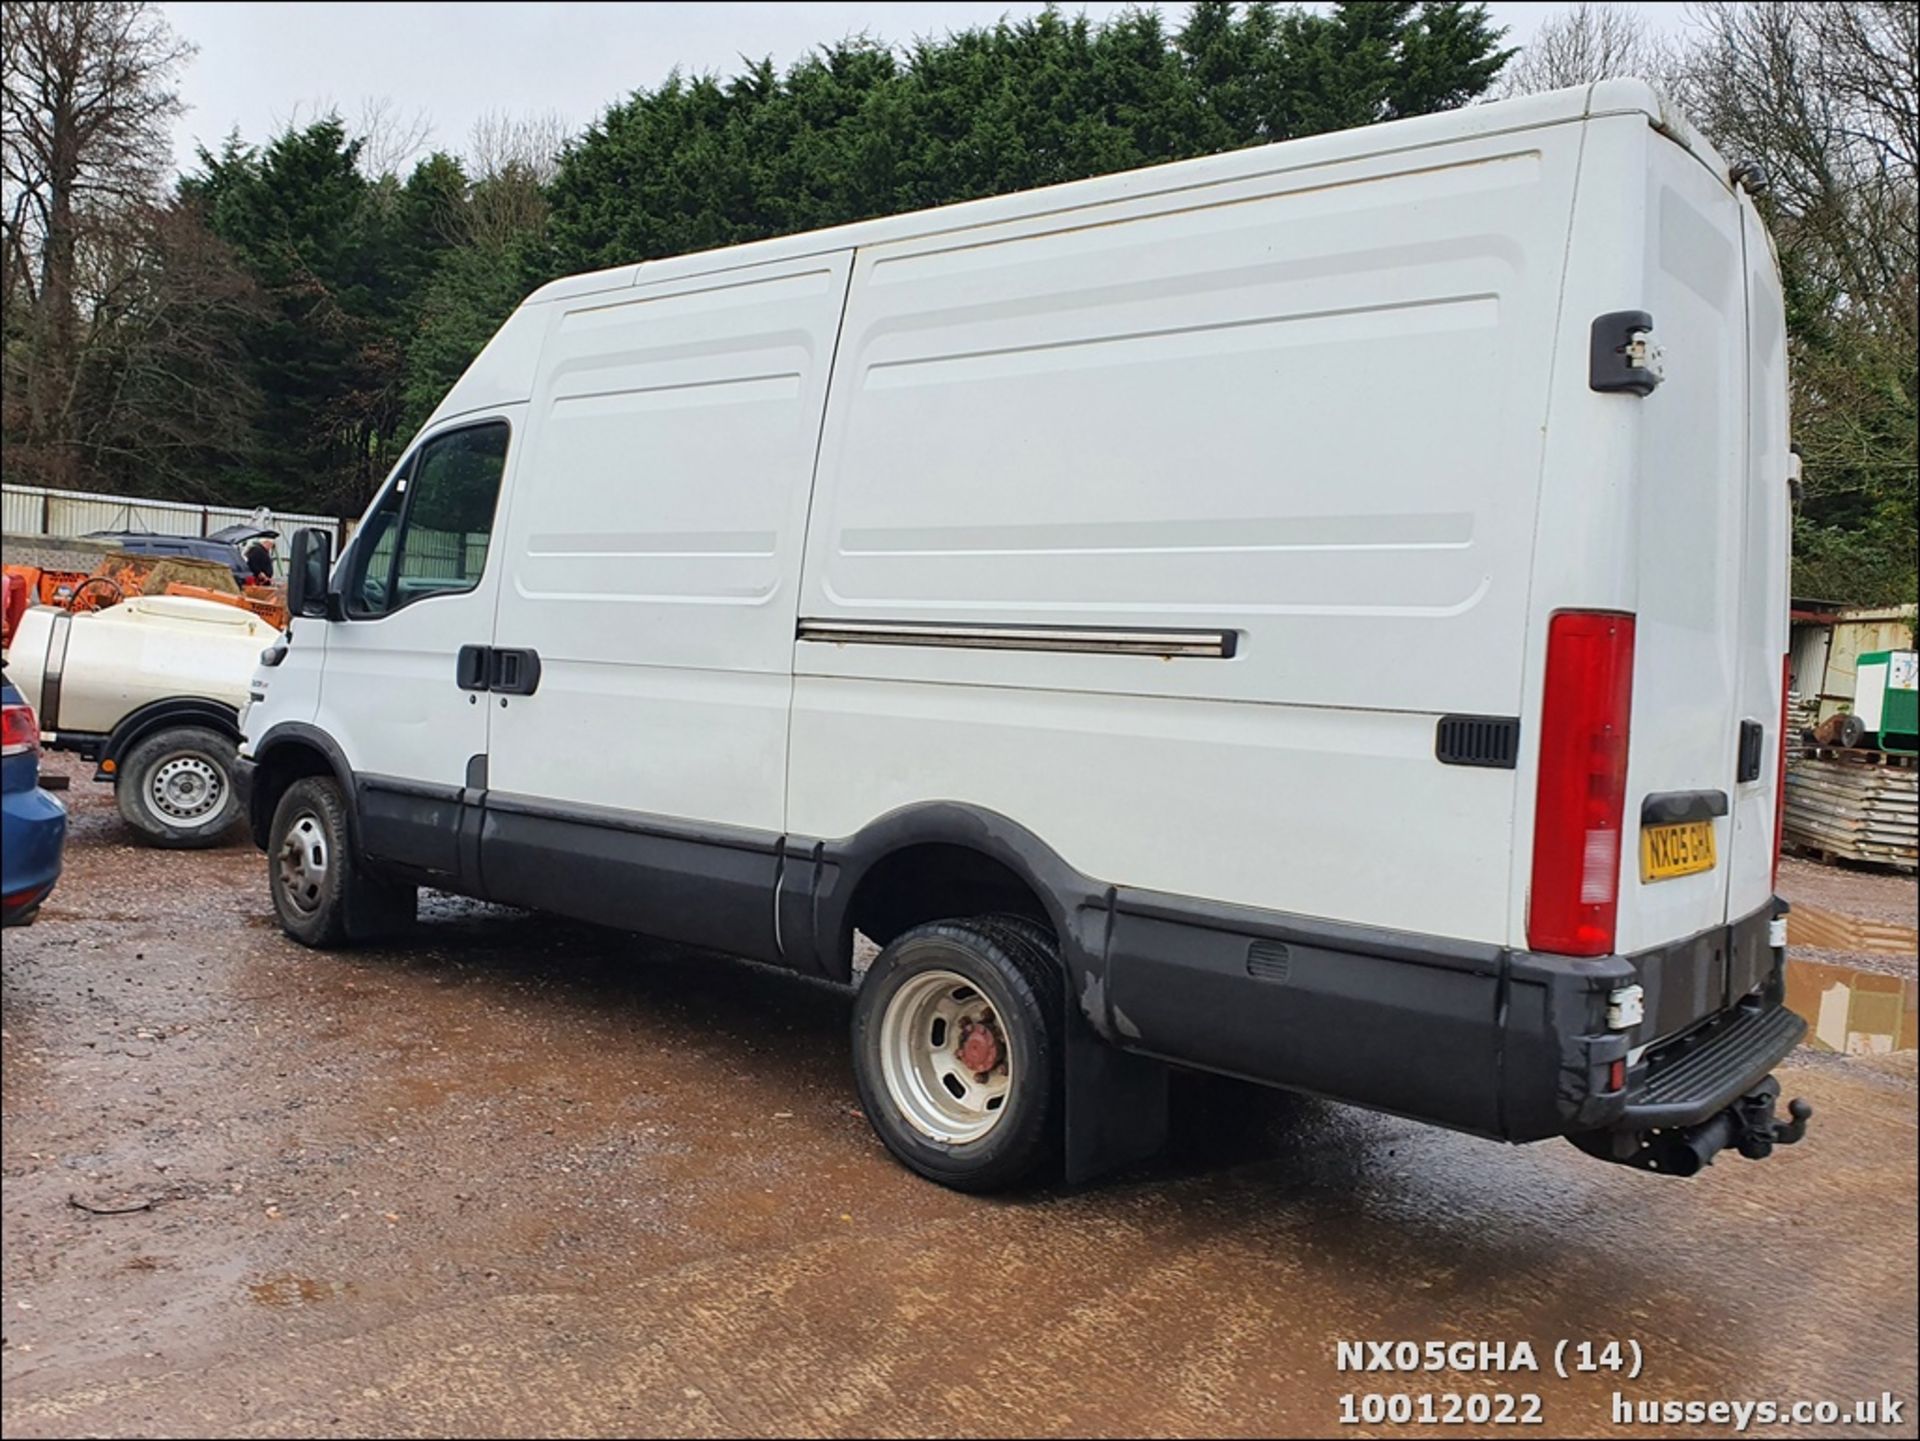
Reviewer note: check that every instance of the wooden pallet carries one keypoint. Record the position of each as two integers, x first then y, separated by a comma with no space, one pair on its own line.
1893,760
1854,805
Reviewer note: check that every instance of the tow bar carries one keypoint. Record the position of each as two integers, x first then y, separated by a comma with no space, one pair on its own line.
1749,1126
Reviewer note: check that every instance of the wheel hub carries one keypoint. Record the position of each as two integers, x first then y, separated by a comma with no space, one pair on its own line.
945,1058
302,862
186,790
979,1048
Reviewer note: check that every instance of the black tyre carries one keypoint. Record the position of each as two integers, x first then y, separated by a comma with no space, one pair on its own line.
175,787
957,1051
1853,730
322,894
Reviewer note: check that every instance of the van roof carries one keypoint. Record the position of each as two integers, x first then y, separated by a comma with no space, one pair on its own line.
1606,97
503,372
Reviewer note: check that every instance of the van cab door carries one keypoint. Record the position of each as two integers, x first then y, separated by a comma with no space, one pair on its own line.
415,586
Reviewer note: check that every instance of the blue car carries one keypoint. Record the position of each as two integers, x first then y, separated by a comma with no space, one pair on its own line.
35,824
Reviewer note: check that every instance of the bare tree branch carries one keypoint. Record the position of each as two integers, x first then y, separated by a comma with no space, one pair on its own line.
1584,43
389,139
85,105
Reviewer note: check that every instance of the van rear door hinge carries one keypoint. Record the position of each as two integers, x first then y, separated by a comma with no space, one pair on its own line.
1623,355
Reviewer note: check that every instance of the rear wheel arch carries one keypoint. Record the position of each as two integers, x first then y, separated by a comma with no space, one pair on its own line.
946,861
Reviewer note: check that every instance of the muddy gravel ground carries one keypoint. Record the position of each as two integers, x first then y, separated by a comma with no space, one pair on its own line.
522,1178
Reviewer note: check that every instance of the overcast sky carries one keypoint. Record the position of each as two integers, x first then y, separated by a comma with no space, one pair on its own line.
260,65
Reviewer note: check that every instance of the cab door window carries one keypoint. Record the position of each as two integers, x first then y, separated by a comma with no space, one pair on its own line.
431,532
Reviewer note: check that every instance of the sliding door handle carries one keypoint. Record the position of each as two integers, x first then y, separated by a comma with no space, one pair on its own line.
486,667
514,672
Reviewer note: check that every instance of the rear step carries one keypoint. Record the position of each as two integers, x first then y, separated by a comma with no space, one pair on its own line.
1682,1089
1708,1093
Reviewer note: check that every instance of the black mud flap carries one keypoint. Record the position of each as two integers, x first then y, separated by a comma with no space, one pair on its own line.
1116,1104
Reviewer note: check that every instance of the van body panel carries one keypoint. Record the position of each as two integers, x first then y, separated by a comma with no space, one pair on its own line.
1111,783
705,886
652,563
1529,115
593,282
502,373
1187,398
1186,429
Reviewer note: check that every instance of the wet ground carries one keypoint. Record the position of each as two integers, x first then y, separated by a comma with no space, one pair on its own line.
528,1179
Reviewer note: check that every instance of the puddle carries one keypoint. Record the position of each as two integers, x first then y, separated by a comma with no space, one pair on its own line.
289,1290
1852,1012
1819,930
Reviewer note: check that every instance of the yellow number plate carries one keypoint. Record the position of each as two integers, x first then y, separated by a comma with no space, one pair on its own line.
1676,850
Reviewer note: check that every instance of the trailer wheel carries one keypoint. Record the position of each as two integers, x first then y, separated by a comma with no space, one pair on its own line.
175,787
322,896
958,1052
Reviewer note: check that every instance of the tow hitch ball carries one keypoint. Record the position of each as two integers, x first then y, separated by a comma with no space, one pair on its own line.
1749,1126
1756,1130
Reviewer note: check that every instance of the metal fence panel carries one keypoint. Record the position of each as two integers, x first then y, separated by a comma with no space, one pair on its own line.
445,554
35,510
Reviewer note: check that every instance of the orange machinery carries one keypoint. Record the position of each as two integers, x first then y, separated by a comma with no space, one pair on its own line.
120,574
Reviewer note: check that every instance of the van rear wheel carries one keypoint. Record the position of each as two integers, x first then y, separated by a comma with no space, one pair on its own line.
322,895
957,1051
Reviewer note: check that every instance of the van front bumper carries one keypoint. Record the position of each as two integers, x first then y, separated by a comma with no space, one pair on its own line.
1503,1043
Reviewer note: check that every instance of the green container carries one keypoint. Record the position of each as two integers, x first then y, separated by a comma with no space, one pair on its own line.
1886,697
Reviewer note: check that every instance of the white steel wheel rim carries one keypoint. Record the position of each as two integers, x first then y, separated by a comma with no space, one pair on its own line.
938,1028
303,863
186,790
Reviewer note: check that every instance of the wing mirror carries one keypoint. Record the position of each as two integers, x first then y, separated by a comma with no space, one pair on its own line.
307,567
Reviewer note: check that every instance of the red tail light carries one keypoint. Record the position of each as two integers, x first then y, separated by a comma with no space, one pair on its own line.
1780,785
19,731
1577,833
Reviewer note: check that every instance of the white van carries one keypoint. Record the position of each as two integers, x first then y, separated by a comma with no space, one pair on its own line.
1314,614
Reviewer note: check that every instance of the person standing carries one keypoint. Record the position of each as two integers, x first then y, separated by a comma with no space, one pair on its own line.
259,558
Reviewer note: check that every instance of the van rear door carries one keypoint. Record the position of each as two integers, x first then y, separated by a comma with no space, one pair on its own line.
1690,515
1764,586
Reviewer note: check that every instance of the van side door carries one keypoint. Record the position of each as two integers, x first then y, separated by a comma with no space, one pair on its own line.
413,587
652,563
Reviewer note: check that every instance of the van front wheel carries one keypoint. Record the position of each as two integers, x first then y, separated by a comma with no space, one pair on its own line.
957,1051
321,894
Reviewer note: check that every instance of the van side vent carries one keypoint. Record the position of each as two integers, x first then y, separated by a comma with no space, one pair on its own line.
1478,740
1269,960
